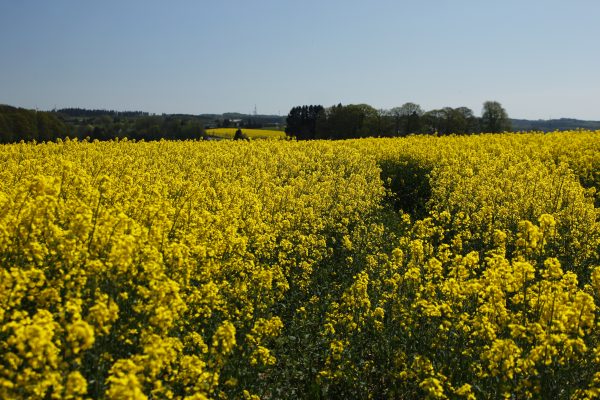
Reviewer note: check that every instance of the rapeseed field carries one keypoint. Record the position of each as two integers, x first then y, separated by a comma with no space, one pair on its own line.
458,267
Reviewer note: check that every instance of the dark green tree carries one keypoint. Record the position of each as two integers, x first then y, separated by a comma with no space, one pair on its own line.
351,121
407,118
239,135
450,120
494,118
301,121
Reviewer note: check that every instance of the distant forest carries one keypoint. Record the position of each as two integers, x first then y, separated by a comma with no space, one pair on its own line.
18,124
302,122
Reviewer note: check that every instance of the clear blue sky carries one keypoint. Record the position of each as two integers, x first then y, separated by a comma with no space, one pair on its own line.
540,59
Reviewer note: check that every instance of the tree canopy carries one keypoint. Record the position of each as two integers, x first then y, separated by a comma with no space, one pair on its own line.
494,118
362,120
21,124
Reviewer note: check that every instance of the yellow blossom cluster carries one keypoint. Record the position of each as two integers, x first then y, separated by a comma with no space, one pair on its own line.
421,267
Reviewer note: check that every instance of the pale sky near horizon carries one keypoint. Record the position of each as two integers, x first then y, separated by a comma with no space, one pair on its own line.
539,59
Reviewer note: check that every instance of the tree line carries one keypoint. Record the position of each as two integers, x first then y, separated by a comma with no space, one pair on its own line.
362,120
83,112
149,127
18,124
303,122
